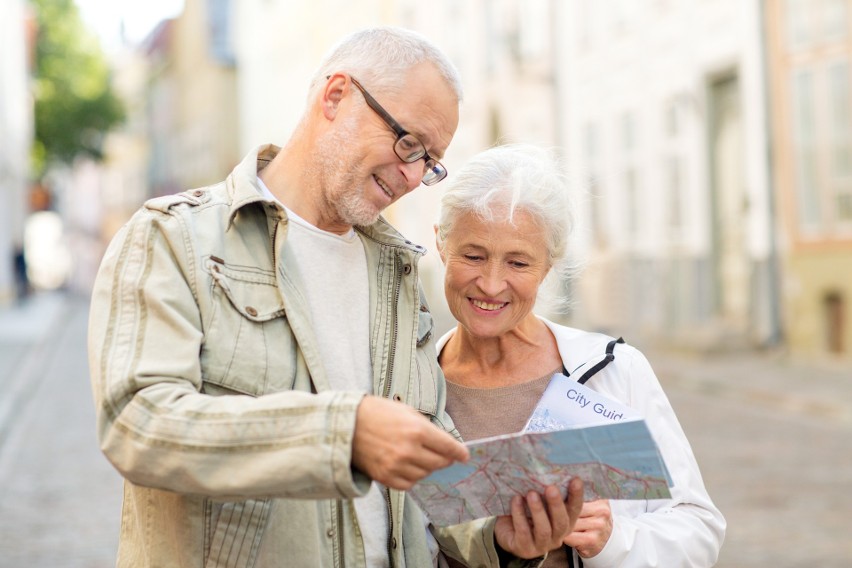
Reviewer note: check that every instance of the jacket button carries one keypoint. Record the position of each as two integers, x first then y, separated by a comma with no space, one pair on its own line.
406,269
329,533
397,398
197,193
393,543
251,311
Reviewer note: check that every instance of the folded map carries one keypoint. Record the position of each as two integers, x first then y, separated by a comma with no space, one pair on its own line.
615,459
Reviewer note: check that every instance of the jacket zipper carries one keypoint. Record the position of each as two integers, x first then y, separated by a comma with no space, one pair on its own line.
394,336
387,389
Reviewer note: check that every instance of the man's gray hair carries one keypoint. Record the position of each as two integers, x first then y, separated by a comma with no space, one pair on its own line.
380,58
500,182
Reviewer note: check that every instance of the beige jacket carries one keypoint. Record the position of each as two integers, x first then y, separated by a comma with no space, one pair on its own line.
214,405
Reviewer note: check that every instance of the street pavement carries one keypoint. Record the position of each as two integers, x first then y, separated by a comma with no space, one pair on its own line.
60,500
772,436
773,439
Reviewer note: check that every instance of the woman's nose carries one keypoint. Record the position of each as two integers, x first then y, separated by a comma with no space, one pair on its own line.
491,280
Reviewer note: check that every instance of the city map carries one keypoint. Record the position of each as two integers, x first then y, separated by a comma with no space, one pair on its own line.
616,461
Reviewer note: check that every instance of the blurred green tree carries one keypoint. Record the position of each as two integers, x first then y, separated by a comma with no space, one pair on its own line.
75,105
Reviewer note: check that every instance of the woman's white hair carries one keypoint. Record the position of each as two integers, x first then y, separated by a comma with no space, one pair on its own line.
503,180
381,57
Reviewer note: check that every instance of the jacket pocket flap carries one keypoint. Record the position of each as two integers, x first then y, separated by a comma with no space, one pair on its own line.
252,292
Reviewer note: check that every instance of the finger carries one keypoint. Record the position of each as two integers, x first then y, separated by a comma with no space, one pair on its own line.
520,523
576,539
593,508
423,458
403,477
542,531
574,502
560,523
443,444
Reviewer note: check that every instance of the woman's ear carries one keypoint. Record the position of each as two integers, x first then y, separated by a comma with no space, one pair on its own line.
439,244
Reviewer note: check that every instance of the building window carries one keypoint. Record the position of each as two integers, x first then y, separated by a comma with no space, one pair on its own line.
813,23
592,158
822,147
673,171
534,29
840,123
631,192
804,148
835,18
586,24
630,178
674,201
841,119
628,132
672,121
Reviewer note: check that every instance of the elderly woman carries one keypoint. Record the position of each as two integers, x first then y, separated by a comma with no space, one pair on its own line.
503,227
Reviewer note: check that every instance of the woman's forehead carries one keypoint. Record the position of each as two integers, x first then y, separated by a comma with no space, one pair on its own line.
522,227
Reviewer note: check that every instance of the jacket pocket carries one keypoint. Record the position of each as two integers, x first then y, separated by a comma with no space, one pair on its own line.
234,532
249,346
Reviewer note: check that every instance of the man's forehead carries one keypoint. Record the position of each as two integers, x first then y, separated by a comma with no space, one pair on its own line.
432,121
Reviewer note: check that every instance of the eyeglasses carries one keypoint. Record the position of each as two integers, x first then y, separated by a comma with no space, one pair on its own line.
407,147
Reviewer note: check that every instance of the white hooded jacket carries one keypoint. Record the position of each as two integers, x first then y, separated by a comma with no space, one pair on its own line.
686,530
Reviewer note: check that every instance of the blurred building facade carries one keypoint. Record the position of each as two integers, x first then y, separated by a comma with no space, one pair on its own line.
182,125
180,132
809,51
195,138
16,134
708,140
666,107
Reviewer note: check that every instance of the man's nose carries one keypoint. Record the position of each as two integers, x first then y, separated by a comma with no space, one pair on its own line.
413,172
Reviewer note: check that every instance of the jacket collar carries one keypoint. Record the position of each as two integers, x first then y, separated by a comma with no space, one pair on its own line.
242,182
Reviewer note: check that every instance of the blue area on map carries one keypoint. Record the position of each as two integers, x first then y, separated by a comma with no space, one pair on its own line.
452,474
624,445
627,446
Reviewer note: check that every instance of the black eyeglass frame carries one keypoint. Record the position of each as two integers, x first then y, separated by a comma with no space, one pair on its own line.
433,170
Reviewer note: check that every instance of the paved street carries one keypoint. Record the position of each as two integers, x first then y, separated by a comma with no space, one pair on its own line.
773,440
60,500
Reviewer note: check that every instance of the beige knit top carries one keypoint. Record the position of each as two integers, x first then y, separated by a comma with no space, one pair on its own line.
483,412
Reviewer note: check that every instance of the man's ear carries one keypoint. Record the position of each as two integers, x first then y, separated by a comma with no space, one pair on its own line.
335,89
439,244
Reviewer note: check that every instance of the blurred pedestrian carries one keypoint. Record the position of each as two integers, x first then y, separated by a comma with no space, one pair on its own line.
262,357
22,281
504,226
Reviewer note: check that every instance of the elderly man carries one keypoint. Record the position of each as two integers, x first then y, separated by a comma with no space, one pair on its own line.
262,358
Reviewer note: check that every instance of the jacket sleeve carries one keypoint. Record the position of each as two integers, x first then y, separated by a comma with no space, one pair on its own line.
472,544
154,422
686,530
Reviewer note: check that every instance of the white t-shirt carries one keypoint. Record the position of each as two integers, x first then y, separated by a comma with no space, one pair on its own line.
331,272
